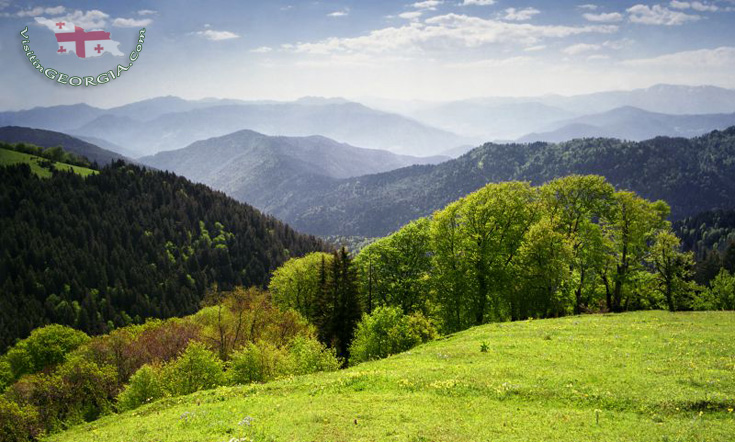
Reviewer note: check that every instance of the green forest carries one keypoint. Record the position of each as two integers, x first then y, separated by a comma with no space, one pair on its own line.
93,266
125,245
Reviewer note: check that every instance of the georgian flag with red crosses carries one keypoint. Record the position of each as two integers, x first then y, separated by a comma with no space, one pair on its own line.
85,44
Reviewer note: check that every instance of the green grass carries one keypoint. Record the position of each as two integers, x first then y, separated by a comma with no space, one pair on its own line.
9,157
645,376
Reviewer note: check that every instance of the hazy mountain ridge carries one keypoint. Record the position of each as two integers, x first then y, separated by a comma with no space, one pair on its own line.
252,166
632,123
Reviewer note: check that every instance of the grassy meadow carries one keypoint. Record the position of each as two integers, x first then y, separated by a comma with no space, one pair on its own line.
9,157
643,376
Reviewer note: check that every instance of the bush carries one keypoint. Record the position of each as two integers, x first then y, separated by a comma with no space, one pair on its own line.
78,391
145,386
307,355
722,291
45,347
196,369
6,374
259,362
18,424
388,331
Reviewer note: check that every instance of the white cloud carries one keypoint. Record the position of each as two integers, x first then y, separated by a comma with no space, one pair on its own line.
412,15
588,6
520,14
581,48
478,2
428,4
702,58
618,44
342,13
658,15
596,57
697,6
262,50
446,32
609,17
131,22
491,63
38,10
535,48
213,35
147,12
89,20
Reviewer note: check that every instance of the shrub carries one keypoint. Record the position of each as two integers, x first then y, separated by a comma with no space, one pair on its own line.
6,374
259,362
307,355
196,369
79,391
145,386
388,331
18,424
722,292
45,347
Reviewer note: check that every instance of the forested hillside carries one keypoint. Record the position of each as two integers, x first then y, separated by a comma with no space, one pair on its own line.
692,175
124,245
711,236
253,167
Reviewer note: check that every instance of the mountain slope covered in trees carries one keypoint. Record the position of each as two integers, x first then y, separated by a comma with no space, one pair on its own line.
692,175
124,245
250,166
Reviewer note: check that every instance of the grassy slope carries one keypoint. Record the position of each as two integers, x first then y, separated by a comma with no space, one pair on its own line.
647,376
8,157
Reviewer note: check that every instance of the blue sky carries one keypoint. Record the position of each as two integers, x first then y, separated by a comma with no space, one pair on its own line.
426,50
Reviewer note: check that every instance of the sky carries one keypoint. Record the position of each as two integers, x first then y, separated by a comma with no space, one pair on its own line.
429,50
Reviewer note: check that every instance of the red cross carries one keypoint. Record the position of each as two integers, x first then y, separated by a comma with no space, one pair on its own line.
79,37
60,24
98,48
61,49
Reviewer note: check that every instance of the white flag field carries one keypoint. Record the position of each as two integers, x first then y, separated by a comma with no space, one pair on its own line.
85,44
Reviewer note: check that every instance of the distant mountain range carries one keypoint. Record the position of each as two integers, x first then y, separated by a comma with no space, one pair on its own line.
47,138
692,175
631,123
508,118
169,123
254,167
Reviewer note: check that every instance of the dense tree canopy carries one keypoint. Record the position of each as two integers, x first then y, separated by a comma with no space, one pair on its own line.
124,245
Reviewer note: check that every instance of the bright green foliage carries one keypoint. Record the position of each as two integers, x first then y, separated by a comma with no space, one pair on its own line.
475,243
673,271
6,374
388,331
629,230
17,424
196,369
144,387
511,251
572,205
722,292
542,273
45,347
257,362
310,356
641,376
296,283
263,361
395,270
